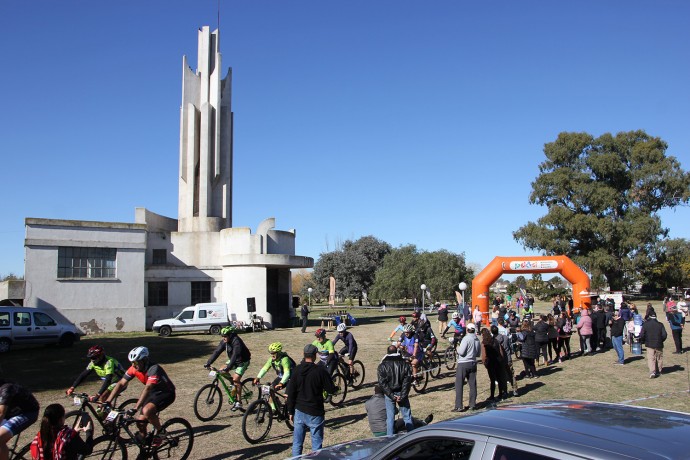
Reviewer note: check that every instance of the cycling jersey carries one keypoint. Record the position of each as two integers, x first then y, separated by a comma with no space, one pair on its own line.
154,375
21,408
456,326
325,349
408,344
349,341
237,352
283,366
109,370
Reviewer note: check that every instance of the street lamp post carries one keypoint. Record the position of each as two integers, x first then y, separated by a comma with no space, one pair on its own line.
462,286
423,287
309,291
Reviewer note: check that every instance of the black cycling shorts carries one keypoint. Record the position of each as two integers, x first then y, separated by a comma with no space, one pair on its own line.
352,355
161,399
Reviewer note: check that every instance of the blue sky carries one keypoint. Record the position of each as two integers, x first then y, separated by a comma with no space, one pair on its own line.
414,121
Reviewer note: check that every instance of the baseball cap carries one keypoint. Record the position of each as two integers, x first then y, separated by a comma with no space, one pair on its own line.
470,327
310,350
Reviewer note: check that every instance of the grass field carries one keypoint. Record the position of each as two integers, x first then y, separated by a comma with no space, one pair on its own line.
48,371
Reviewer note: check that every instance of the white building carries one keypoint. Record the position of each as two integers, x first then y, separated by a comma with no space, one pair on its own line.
111,276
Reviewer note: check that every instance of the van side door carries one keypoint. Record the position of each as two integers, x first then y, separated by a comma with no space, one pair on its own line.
22,328
46,329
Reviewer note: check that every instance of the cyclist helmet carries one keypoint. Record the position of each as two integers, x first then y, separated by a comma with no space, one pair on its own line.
95,353
227,331
320,333
409,328
275,347
342,327
402,320
456,315
138,354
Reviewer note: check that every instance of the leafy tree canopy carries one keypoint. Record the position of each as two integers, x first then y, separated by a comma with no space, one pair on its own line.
672,265
602,197
405,269
353,266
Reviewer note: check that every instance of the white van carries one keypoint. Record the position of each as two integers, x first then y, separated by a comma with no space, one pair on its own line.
207,317
24,325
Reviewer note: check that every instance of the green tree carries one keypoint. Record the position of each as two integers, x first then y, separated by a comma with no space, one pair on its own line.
602,197
353,266
671,268
405,269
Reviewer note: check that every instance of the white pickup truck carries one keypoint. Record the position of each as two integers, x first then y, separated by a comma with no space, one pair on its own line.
209,317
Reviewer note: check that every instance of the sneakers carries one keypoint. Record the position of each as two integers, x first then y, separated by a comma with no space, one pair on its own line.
236,406
515,394
652,375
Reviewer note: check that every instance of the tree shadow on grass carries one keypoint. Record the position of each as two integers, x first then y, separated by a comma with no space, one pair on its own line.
266,449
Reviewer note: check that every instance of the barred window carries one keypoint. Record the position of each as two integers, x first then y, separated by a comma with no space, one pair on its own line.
201,292
158,293
159,257
86,262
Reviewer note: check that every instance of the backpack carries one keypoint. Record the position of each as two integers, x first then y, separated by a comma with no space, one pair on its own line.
568,326
60,445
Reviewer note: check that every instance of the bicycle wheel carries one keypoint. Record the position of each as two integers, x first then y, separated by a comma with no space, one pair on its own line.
22,454
336,399
420,381
435,365
257,421
177,440
247,392
107,448
130,403
207,402
357,375
79,419
449,357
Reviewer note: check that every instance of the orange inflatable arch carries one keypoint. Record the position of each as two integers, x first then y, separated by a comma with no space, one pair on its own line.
530,264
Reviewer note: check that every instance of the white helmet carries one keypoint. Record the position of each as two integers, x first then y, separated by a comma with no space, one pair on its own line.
342,327
138,354
456,315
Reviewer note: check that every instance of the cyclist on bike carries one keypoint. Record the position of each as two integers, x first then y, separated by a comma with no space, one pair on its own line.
399,328
513,322
350,344
158,392
281,363
18,411
457,324
239,357
409,343
326,351
108,369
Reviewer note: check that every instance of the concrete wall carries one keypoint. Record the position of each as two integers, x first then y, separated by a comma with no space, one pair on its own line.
94,305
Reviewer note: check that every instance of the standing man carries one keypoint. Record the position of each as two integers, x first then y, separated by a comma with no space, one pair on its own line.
618,328
304,311
677,323
395,379
305,400
469,350
653,334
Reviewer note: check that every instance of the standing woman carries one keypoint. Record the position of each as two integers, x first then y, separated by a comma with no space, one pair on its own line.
442,318
529,351
564,325
494,364
57,440
541,335
552,333
584,328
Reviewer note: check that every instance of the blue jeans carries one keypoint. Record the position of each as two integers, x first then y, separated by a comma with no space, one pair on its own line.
315,425
405,411
618,346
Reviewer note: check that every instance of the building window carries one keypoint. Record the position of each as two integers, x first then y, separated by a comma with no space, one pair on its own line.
159,257
86,262
201,292
158,294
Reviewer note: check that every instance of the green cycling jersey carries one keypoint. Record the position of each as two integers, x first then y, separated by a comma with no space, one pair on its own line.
325,350
282,365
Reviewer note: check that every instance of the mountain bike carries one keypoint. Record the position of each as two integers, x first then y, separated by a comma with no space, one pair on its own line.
433,362
421,378
450,356
209,398
19,453
174,441
258,418
355,376
80,418
340,382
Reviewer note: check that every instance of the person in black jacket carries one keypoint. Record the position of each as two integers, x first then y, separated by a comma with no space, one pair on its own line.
653,334
304,312
239,357
395,379
541,336
594,341
305,400
617,330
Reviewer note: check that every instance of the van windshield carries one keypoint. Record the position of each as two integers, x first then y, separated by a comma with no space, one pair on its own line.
189,314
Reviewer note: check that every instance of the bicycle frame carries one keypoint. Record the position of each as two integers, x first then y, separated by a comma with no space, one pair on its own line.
225,380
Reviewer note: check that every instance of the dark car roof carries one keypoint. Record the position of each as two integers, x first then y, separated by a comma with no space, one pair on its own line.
584,428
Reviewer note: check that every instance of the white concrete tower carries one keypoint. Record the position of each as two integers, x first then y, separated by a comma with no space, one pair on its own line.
205,192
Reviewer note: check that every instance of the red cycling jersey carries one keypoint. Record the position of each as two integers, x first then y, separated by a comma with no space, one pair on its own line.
154,375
